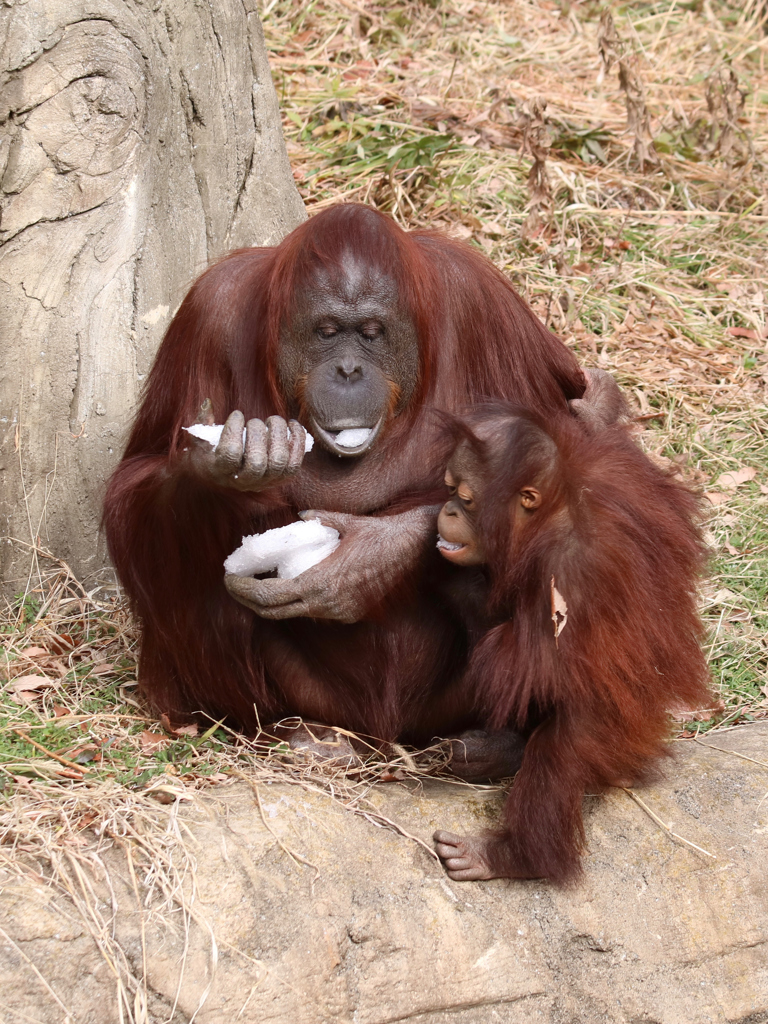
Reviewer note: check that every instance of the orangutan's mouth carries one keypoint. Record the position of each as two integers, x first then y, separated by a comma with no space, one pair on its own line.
448,545
348,441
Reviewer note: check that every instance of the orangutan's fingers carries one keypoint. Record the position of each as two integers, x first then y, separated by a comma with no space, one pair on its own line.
603,402
294,610
255,459
229,450
475,873
341,521
461,856
296,446
446,843
277,446
262,594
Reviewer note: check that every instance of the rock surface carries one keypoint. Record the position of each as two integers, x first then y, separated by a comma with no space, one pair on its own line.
305,913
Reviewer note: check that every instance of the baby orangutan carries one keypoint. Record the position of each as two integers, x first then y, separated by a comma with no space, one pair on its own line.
591,556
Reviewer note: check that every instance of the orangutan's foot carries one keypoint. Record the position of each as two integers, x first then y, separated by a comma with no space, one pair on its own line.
478,756
464,857
314,742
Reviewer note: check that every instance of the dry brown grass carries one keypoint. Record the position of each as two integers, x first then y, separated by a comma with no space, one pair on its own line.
672,251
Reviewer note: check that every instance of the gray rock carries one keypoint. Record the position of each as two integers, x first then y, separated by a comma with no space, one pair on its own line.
323,917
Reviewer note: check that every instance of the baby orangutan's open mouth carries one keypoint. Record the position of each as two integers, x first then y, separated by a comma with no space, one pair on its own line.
448,546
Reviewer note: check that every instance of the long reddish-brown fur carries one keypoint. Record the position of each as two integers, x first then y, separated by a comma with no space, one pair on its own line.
619,538
169,535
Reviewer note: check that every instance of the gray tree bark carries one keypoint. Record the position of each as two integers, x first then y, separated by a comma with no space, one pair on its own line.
138,141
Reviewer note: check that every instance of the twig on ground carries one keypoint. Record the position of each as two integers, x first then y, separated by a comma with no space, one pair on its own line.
651,814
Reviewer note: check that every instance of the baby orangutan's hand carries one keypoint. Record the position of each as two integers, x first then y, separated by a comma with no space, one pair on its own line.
602,403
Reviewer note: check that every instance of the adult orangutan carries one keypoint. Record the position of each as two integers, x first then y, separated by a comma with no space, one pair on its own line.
589,557
349,323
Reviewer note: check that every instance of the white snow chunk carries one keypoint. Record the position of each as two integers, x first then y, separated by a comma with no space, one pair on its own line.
353,436
447,545
212,434
289,549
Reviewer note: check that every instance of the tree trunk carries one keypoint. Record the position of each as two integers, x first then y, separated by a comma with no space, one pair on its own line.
137,143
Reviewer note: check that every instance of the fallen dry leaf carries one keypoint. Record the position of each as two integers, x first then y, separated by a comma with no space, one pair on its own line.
736,477
167,792
162,795
740,615
151,742
724,596
715,497
30,683
741,332
24,696
84,754
462,231
56,666
102,669
685,714
61,643
33,652
187,729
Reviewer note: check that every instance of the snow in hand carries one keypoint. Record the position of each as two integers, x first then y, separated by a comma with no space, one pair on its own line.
289,549
212,434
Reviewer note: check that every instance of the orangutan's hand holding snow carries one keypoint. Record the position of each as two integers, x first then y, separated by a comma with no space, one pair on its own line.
245,456
376,555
